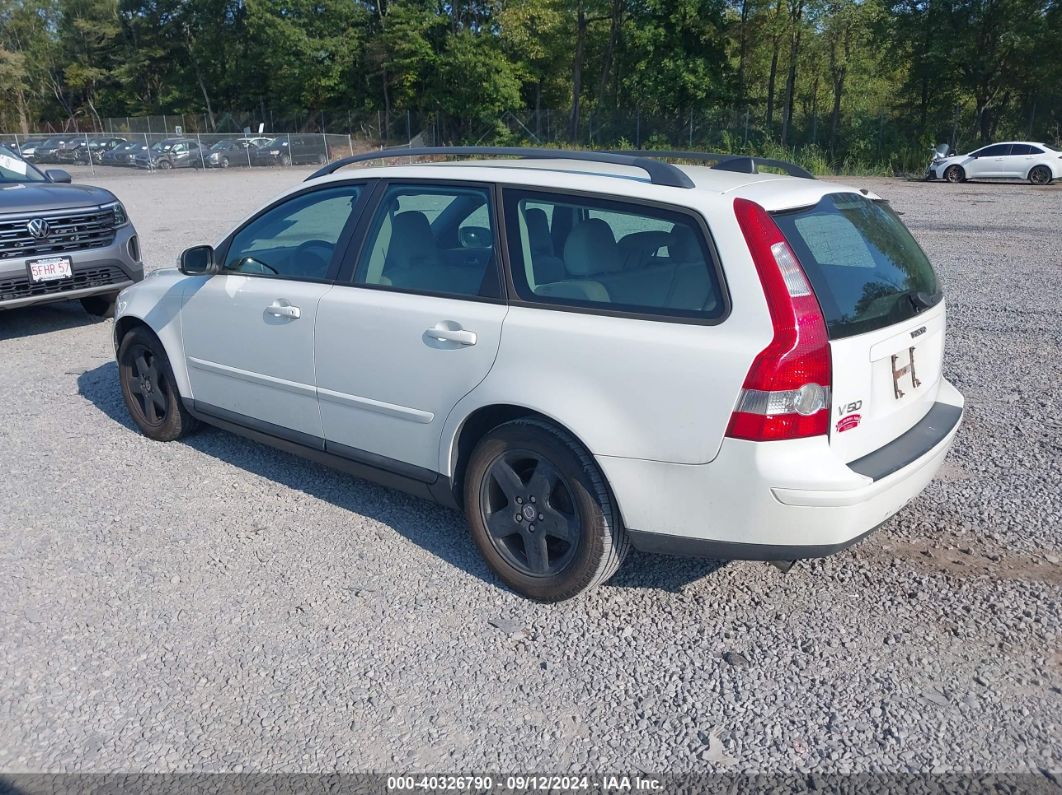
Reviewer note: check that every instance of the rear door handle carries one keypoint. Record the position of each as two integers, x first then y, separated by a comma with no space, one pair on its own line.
281,308
458,335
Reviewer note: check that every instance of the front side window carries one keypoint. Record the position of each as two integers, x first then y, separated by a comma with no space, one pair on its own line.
610,255
996,150
435,239
295,239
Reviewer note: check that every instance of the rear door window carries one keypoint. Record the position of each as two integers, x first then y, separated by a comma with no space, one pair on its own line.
866,268
610,256
432,239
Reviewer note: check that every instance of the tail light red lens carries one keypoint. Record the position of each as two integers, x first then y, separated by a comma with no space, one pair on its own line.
786,394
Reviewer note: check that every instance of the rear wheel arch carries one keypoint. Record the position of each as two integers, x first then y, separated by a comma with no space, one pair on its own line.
1039,174
481,422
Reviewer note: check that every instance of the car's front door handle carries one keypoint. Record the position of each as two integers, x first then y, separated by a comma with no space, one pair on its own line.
284,309
458,335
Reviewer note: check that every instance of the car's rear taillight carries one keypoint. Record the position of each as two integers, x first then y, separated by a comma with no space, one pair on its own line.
786,394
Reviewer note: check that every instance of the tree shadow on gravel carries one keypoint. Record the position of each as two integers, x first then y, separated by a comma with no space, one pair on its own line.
436,529
30,321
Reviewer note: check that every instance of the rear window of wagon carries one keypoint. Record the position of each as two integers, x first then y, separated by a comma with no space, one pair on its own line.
865,267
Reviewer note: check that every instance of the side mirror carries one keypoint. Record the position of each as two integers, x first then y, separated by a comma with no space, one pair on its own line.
58,175
197,260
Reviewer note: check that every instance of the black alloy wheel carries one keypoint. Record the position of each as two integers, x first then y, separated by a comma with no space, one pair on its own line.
149,388
530,513
1040,175
541,512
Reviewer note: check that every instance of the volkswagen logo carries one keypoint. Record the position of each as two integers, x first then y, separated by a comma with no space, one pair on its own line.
38,227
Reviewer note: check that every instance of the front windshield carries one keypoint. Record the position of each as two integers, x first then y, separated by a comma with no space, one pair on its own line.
1052,148
221,145
162,146
14,169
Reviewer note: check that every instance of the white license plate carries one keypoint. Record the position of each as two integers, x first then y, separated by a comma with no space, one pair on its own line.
50,269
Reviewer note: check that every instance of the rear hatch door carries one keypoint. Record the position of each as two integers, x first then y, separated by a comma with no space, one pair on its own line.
884,313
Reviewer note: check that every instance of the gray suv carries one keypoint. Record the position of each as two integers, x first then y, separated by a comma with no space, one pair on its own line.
60,241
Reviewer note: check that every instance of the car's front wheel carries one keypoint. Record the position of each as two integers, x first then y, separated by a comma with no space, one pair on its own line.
540,511
955,174
149,388
1040,175
99,305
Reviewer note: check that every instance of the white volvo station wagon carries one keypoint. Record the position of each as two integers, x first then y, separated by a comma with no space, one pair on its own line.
584,351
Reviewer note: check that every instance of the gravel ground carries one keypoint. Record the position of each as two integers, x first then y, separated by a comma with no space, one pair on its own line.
215,605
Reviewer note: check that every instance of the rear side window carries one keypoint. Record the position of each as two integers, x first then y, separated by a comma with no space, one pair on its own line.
610,256
866,268
432,239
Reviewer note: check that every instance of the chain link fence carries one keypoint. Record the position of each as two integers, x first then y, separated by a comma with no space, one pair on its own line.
877,143
181,149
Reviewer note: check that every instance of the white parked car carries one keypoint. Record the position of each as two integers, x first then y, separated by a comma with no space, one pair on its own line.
584,353
1039,163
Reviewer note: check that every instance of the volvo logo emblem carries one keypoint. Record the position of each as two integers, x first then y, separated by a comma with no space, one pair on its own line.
38,227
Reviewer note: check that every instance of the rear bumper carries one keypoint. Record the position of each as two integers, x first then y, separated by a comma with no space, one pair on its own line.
777,500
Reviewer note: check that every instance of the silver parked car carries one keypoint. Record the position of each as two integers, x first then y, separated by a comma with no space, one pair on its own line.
60,241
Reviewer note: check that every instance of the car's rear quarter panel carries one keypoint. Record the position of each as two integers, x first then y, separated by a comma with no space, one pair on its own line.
632,387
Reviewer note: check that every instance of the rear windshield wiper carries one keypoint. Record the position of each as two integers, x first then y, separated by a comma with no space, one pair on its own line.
921,300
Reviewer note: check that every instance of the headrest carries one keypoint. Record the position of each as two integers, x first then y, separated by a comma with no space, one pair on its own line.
412,242
684,245
591,248
538,231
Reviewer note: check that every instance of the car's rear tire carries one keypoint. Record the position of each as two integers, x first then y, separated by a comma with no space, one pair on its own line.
1040,175
568,537
149,388
99,305
955,174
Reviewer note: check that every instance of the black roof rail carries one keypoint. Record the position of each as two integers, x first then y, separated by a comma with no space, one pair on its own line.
744,164
659,173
